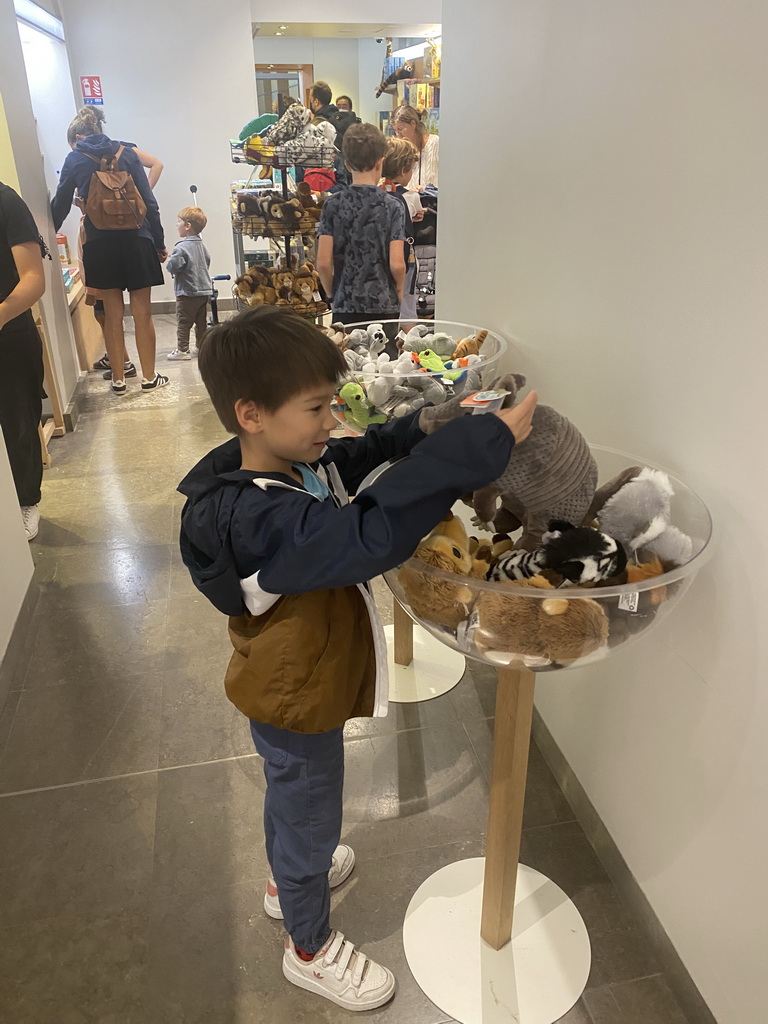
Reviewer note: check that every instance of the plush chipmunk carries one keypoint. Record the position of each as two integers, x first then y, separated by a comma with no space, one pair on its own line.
470,346
550,475
436,600
540,632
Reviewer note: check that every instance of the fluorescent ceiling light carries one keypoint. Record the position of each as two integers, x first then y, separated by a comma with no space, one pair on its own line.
408,52
38,18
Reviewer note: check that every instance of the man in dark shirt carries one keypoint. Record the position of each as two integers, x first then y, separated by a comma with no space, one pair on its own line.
22,283
360,256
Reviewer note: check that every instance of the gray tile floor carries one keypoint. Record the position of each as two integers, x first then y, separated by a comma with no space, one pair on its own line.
131,861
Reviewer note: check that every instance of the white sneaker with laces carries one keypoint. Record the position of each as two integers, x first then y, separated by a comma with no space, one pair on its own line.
341,869
341,973
30,514
179,353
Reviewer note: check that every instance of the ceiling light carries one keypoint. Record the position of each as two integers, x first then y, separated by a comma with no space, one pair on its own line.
409,52
283,27
38,18
278,33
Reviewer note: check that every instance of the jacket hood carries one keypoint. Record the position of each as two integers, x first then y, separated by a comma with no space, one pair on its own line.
98,146
211,490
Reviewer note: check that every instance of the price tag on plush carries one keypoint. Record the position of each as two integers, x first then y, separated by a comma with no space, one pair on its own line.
484,401
629,602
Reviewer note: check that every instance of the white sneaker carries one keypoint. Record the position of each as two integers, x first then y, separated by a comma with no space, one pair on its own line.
31,516
341,973
179,353
341,869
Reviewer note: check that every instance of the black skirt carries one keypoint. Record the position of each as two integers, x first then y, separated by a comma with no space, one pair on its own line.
126,261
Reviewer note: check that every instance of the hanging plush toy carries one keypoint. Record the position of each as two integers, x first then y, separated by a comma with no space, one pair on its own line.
405,71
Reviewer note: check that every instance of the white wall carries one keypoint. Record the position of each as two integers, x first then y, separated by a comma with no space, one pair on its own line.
371,63
180,84
626,146
349,12
34,190
53,103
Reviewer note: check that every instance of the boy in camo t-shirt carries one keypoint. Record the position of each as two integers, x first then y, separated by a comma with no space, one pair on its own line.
360,257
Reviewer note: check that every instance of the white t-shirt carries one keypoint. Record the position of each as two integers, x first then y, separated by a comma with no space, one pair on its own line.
425,171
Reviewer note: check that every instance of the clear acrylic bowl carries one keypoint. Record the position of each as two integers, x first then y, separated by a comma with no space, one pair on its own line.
505,625
492,350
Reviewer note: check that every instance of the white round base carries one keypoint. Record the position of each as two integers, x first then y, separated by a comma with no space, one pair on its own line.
535,979
435,668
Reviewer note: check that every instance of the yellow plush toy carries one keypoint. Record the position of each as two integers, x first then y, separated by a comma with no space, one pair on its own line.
436,600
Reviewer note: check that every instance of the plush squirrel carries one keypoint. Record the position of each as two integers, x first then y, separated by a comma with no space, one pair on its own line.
550,475
436,600
580,555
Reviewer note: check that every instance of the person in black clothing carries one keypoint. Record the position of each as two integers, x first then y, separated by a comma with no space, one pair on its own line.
22,283
323,110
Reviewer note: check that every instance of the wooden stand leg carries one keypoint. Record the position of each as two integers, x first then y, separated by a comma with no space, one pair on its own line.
512,735
403,636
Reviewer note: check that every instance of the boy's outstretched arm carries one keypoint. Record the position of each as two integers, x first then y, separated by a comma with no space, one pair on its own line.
315,545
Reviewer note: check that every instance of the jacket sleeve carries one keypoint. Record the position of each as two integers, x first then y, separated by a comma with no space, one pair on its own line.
176,261
356,457
61,203
315,545
133,164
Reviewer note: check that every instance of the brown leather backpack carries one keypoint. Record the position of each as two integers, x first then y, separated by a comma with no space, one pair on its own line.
114,202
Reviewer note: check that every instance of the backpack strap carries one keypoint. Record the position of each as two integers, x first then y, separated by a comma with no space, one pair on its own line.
105,162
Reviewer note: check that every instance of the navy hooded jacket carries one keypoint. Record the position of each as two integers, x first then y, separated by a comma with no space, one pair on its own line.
76,176
234,526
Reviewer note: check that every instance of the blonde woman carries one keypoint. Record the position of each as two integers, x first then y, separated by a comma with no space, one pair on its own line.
409,125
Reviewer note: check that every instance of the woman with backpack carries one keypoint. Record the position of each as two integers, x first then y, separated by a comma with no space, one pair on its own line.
124,241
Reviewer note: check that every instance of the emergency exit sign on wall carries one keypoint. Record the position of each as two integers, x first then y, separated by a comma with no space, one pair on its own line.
90,86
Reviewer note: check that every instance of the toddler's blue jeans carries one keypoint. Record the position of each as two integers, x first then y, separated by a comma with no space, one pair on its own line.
302,824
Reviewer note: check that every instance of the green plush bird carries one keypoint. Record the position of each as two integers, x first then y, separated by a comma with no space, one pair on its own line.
359,410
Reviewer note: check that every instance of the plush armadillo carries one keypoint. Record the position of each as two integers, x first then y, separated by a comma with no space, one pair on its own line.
550,475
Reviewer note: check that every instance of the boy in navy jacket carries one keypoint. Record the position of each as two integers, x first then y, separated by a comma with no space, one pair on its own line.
270,537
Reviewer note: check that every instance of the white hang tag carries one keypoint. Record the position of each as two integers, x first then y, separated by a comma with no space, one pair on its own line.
629,602
316,296
401,336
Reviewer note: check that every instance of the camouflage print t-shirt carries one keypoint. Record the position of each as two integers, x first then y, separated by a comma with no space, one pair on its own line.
363,220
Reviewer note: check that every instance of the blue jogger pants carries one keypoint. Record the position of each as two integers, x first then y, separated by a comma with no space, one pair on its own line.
302,824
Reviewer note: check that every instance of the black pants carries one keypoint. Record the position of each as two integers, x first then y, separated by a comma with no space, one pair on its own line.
21,406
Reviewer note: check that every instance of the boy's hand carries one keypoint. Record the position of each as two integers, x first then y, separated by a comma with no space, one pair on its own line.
519,418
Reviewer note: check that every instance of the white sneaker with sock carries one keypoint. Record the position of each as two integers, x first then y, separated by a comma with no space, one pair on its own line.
179,353
341,869
341,973
30,514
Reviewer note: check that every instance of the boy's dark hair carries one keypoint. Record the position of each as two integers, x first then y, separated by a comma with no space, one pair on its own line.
363,147
321,91
265,356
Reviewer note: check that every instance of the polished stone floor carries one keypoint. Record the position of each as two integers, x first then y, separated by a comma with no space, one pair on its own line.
131,861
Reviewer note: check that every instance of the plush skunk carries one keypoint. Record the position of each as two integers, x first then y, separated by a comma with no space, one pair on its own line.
579,554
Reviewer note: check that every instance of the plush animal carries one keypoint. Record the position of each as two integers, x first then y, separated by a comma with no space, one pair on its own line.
550,475
291,124
255,287
376,339
637,514
404,71
284,287
470,346
430,597
541,632
292,211
336,333
579,555
359,410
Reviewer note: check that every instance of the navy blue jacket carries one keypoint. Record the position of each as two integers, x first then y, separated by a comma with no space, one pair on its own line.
76,175
232,528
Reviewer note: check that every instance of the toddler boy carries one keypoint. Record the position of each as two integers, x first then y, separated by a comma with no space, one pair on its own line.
271,538
189,263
